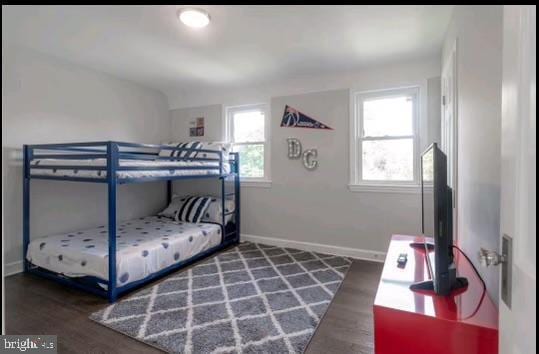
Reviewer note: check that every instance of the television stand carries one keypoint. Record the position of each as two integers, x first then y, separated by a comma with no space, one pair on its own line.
406,321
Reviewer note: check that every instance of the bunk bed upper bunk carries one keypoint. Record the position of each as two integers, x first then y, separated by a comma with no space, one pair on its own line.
111,264
127,162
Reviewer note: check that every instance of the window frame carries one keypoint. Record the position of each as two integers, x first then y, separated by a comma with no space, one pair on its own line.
357,183
229,111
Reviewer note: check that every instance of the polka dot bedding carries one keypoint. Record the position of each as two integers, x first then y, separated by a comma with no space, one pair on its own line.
126,163
144,246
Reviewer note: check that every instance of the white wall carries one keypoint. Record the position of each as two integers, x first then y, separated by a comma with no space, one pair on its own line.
181,119
434,104
399,74
46,100
317,206
478,31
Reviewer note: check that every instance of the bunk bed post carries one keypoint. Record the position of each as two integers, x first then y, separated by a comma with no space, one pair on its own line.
169,192
27,157
112,165
237,193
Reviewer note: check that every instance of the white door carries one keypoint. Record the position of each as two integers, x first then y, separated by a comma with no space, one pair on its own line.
517,315
449,126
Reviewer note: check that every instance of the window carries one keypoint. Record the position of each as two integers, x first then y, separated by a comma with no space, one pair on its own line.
247,129
384,139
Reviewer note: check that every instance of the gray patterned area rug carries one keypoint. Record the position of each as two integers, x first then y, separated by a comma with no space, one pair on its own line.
253,298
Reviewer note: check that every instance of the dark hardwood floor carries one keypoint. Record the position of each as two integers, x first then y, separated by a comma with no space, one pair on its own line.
39,306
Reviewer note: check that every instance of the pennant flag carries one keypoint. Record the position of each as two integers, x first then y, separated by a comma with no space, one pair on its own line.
293,118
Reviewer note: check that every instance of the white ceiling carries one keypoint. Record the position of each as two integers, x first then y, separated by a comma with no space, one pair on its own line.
242,46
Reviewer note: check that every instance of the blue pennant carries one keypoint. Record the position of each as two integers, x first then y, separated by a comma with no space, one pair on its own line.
292,118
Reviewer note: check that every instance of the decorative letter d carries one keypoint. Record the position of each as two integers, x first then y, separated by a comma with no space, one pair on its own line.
294,148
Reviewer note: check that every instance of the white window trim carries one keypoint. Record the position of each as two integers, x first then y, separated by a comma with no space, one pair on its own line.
356,183
262,182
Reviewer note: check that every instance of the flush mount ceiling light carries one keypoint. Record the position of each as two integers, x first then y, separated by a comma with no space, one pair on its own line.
194,18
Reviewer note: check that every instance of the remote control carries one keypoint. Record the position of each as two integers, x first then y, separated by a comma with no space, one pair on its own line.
403,257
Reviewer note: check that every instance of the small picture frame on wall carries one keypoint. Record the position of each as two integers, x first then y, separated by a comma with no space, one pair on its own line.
200,122
196,127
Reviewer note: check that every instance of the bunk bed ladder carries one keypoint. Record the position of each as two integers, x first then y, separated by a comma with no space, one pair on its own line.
236,175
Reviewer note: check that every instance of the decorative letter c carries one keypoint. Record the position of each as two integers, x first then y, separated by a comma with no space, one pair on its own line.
309,159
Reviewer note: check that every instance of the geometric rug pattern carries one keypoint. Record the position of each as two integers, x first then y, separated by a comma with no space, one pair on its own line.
253,298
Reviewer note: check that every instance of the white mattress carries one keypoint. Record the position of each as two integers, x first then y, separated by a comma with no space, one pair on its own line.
126,163
144,246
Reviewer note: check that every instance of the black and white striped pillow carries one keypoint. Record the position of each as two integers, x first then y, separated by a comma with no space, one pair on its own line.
192,209
217,149
182,153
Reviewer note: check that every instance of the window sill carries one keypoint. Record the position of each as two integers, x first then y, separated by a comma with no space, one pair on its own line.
385,188
255,183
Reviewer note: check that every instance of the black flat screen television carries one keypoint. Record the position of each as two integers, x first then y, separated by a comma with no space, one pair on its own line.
437,223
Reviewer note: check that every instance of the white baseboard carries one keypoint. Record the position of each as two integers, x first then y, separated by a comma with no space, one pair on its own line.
318,247
13,268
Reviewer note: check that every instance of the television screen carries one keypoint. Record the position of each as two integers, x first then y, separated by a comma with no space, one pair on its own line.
437,222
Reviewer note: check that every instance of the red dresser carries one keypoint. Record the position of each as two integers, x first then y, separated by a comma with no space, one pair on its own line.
407,322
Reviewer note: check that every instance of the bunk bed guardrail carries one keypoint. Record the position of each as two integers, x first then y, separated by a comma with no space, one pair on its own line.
113,152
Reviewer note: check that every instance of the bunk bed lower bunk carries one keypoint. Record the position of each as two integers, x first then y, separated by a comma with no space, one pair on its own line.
137,251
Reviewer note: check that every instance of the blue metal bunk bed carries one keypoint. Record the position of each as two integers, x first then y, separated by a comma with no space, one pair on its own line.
113,153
